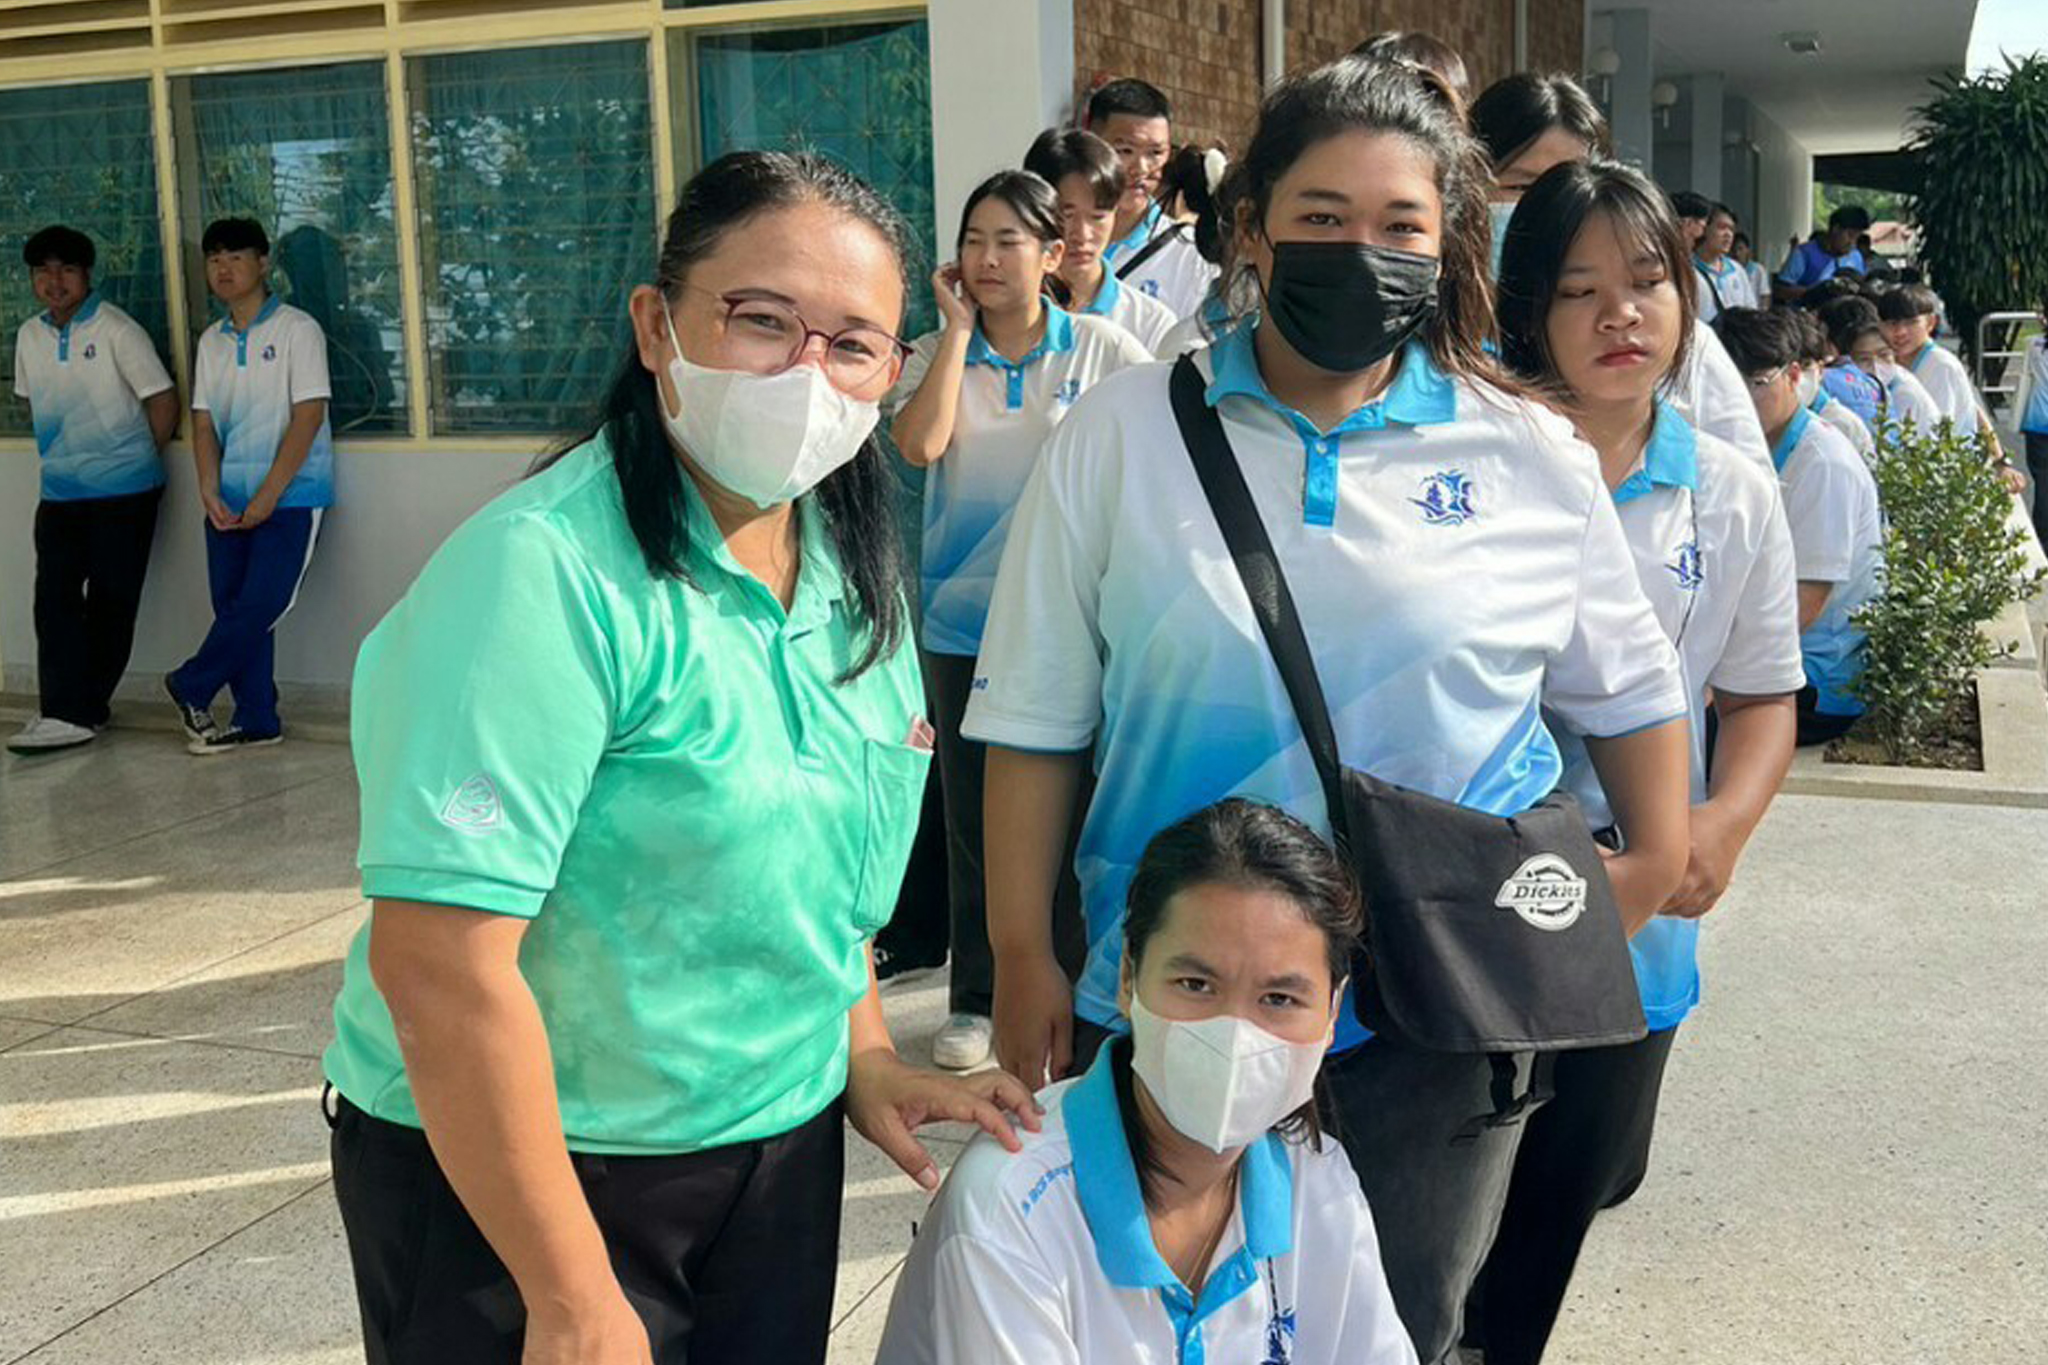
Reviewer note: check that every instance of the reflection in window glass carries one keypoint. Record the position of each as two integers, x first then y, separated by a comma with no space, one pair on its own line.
860,93
306,152
80,155
535,171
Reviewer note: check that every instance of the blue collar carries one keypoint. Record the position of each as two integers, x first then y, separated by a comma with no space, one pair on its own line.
1112,1203
270,305
1671,457
1820,401
1107,296
1920,355
1795,431
84,313
1058,338
1141,232
1421,395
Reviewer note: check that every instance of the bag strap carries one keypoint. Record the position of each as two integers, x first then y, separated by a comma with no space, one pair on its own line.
1251,550
1152,248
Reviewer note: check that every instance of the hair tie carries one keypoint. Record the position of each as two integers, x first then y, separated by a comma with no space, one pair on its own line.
1214,164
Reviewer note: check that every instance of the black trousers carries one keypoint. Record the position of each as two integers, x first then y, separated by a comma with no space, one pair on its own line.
730,1255
1588,1149
918,929
1815,728
91,558
2037,473
949,682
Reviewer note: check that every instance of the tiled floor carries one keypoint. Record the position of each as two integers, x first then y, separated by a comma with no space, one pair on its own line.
1848,1169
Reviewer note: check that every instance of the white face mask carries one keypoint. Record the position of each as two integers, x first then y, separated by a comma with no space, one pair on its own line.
1221,1081
1809,385
768,437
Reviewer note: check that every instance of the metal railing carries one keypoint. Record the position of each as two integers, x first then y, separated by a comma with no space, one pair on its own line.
2009,375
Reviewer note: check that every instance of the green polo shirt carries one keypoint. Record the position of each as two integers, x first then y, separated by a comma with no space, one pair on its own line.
704,828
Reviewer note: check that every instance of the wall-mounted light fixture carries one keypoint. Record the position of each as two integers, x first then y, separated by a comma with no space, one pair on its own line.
1662,96
1604,64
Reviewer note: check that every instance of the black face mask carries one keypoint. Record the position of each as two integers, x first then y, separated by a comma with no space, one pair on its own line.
1346,306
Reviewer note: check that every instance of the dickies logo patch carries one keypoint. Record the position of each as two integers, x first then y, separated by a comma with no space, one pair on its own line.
1448,498
1687,567
1546,891
475,808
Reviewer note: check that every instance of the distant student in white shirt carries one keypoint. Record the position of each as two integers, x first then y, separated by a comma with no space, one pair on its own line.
1831,505
2032,404
1089,181
1908,313
1722,280
1744,253
1182,1201
975,402
1150,252
265,459
102,409
1596,307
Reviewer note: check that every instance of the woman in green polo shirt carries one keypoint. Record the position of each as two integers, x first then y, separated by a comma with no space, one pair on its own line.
641,757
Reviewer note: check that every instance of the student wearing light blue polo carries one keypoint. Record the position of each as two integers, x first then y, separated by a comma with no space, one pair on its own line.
1397,476
1597,300
102,408
2032,403
265,457
976,401
1818,259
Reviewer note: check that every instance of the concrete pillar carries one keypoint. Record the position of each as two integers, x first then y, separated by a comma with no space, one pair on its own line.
985,113
1629,114
1708,94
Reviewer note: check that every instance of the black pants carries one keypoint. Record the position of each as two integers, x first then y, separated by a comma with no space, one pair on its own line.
1588,1149
918,929
91,558
730,1255
948,682
1815,728
2037,473
1434,1174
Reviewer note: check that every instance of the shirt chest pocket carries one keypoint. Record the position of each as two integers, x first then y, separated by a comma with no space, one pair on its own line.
894,776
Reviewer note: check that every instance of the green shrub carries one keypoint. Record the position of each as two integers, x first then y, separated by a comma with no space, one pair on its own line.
1953,561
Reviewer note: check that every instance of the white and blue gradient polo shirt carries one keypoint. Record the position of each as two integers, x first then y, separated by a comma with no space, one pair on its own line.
1714,556
247,382
1005,412
1045,1257
1176,274
2034,414
1907,400
1713,397
1837,538
1947,381
1456,561
1137,312
1836,414
85,383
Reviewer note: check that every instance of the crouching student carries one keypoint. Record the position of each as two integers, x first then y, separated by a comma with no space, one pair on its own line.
1181,1201
1814,354
1832,507
1597,308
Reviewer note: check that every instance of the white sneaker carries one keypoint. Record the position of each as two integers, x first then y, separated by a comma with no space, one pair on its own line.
46,734
963,1042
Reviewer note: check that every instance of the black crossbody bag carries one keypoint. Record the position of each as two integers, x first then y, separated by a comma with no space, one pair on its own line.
1485,934
1160,241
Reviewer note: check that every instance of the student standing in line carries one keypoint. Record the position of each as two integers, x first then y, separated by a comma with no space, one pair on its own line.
641,756
1089,182
1853,384
103,409
1831,505
265,458
1908,314
1821,257
1529,123
1182,1201
1721,277
1596,291
1854,327
1394,472
2032,404
976,401
1814,354
1744,253
1150,252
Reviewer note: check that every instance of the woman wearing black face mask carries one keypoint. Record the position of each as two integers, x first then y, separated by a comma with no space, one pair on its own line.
1457,567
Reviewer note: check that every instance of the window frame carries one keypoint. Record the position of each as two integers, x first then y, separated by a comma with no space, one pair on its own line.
402,36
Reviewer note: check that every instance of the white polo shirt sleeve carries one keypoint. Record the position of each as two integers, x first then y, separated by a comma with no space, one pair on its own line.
205,363
999,1308
1711,395
1820,506
136,359
1617,673
1038,684
21,338
916,366
1761,655
306,377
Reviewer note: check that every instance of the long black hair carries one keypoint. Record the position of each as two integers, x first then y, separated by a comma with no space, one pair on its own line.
855,499
1369,95
1540,235
1250,846
1036,204
1516,110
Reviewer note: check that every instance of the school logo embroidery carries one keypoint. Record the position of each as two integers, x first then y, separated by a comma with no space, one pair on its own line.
270,353
1279,1337
1686,568
91,349
1447,499
1149,288
1546,891
475,807
1066,393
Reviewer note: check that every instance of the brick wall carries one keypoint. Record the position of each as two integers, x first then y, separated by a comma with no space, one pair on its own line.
1205,53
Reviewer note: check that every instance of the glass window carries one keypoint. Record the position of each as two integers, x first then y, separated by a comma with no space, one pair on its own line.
81,155
535,172
306,152
859,92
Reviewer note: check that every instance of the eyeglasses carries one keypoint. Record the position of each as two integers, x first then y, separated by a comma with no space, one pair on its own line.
1767,378
767,336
